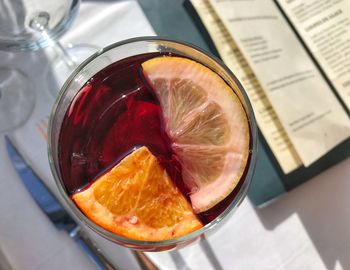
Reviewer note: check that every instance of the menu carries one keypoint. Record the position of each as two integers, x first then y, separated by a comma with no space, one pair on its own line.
325,28
301,106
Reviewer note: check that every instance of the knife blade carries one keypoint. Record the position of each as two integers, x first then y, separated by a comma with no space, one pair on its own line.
53,209
4,262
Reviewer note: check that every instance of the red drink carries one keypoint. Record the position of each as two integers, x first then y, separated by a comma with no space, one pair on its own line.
165,119
112,114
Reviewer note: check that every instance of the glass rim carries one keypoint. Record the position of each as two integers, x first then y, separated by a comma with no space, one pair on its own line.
243,189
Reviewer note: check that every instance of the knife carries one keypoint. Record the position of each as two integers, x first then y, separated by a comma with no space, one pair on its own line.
59,216
53,209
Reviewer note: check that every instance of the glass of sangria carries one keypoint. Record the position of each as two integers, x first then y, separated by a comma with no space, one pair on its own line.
152,143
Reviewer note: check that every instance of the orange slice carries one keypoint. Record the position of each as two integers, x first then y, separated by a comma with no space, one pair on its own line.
137,199
206,123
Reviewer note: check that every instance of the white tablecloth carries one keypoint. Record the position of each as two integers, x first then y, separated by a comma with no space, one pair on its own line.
307,229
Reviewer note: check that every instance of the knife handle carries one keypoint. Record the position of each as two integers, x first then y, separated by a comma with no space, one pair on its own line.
90,249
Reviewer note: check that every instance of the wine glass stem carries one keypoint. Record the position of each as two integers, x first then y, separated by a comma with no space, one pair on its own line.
67,58
40,23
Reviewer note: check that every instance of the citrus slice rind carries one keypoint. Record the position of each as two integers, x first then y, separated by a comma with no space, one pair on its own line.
206,123
137,199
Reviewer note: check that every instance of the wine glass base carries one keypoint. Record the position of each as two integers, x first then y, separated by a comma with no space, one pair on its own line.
17,99
62,67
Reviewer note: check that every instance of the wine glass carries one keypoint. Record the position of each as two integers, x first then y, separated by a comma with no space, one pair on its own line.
123,51
28,25
20,21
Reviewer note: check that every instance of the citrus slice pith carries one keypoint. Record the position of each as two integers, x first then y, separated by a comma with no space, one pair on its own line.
137,199
206,123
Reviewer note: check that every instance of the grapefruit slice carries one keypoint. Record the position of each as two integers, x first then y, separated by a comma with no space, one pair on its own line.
137,199
207,124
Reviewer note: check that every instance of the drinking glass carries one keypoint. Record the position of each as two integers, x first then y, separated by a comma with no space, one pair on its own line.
108,56
28,25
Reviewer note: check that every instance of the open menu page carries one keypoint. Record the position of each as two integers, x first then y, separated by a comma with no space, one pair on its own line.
266,117
325,27
306,106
